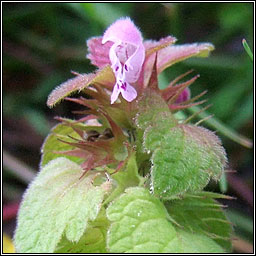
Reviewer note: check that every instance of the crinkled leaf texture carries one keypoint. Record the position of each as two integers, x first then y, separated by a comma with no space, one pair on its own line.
140,225
150,106
184,157
56,203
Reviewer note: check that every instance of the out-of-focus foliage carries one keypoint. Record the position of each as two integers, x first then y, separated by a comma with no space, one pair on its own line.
248,49
8,246
43,42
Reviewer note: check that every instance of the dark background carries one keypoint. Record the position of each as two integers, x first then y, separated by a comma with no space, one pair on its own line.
43,42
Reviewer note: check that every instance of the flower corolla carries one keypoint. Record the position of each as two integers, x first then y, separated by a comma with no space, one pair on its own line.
126,55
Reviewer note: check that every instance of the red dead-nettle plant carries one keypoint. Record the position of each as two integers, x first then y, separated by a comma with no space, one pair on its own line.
127,176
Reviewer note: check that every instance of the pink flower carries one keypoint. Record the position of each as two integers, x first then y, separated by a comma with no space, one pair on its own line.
126,55
133,63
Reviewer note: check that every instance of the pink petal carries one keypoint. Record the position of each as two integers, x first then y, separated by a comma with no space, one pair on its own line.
113,58
115,94
98,53
123,30
124,51
172,54
134,64
129,94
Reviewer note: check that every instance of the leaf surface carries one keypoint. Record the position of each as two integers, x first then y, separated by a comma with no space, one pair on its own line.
140,225
52,144
103,76
188,156
56,203
183,157
92,241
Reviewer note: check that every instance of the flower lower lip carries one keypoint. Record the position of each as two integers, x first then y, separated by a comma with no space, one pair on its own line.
123,86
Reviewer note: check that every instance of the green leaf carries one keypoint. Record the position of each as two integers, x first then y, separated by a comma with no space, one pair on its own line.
184,157
193,243
140,225
52,144
155,132
147,113
57,202
207,215
247,48
155,121
93,240
128,177
223,184
187,157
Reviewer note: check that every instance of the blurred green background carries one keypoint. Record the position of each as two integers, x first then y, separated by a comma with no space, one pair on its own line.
43,42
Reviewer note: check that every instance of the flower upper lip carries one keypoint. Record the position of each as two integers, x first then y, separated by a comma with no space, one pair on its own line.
126,55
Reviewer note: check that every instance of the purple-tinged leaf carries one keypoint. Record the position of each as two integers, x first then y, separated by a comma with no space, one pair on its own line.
105,77
98,52
176,53
154,46
175,91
